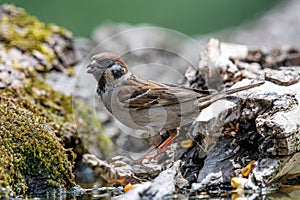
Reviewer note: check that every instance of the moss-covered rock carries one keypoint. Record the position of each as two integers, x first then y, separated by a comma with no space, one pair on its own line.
39,141
50,46
30,148
36,122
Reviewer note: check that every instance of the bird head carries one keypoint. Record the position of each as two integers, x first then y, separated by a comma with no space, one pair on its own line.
109,66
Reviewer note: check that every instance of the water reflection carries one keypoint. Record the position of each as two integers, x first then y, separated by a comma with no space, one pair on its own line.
288,192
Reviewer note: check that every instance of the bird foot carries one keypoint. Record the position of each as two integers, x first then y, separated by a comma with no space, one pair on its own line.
158,153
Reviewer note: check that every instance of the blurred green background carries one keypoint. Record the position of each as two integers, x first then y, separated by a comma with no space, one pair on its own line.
189,17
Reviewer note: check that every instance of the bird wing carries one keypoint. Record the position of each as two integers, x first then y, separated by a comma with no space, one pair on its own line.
139,93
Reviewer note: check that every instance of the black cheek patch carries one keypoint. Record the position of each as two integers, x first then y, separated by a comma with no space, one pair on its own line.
117,73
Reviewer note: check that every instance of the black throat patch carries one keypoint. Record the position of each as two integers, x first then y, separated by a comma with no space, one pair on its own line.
101,85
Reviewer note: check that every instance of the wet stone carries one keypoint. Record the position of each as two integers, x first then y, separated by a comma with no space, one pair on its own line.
126,170
118,172
164,184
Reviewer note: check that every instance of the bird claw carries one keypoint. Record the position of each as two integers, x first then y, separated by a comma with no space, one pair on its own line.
158,153
145,159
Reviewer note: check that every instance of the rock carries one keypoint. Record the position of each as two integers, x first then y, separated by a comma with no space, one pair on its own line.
220,65
261,124
163,185
118,172
10,77
284,76
30,152
123,170
42,46
37,126
280,126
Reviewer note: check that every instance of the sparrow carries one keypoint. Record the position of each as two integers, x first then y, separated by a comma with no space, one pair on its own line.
148,105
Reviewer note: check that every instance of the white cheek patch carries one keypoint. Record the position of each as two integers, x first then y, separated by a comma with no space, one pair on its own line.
115,67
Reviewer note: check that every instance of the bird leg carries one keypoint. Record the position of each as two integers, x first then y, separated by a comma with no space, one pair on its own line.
155,140
163,147
140,160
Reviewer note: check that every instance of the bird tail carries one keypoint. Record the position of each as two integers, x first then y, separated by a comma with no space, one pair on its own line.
203,102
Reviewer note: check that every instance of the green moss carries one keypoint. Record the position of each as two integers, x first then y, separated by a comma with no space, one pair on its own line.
30,147
48,100
34,119
33,123
25,32
37,125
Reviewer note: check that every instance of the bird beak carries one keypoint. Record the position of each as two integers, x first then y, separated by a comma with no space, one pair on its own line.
92,67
